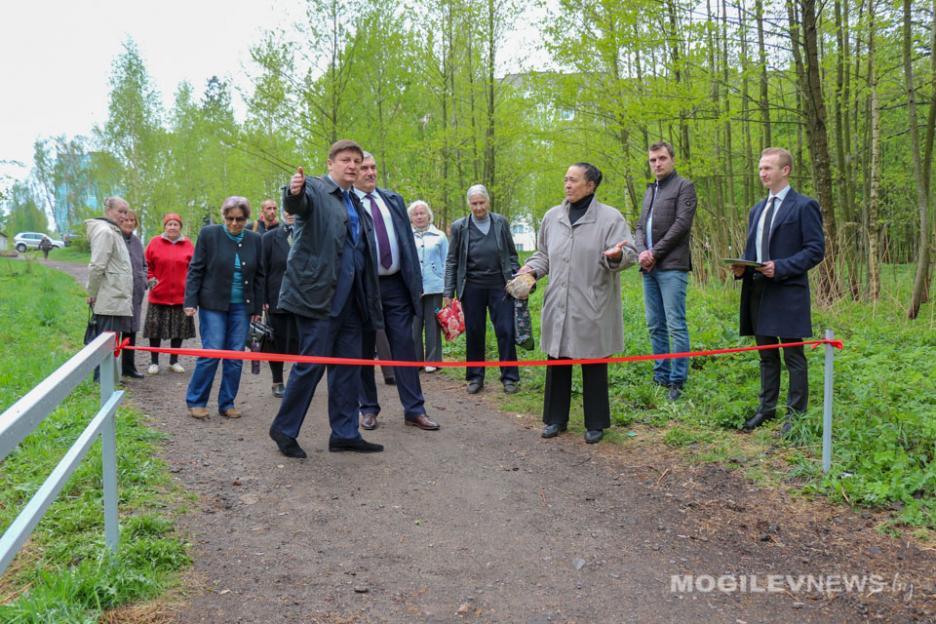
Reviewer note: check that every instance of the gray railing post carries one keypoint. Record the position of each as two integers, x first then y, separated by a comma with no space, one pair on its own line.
827,405
109,456
23,417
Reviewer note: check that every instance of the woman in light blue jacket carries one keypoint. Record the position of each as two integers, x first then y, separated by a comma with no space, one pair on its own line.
432,248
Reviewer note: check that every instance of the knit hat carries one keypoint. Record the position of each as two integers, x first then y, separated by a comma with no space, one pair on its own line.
172,216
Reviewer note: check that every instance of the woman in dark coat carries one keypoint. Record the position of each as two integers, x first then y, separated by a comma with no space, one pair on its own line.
225,286
138,264
481,260
276,245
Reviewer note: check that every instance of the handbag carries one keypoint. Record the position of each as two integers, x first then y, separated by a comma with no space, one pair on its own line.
91,331
451,319
523,325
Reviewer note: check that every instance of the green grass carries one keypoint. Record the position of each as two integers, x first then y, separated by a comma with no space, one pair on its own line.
71,254
884,403
65,573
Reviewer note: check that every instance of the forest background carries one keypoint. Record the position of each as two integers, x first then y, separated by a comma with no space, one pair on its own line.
846,86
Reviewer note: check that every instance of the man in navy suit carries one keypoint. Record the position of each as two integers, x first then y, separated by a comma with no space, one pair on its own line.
400,279
330,286
784,235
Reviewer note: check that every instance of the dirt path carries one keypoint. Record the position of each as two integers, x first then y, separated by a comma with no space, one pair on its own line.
483,521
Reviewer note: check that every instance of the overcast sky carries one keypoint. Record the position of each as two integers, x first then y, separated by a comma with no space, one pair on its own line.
56,56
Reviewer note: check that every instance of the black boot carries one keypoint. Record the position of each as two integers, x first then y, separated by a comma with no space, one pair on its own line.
128,365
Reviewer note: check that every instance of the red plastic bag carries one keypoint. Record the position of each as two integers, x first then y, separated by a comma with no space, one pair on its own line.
452,320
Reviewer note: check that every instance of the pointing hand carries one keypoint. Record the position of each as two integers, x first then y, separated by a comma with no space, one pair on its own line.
297,182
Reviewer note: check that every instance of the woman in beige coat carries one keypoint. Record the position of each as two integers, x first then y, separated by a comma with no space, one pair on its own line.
582,245
110,276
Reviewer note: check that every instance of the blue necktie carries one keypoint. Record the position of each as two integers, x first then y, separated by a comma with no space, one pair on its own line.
353,221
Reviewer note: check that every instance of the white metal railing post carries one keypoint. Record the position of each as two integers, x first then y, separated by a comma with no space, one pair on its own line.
827,404
109,455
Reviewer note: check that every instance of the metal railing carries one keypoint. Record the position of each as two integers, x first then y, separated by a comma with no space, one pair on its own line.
26,414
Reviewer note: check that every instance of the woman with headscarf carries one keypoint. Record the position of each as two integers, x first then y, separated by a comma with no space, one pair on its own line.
432,249
225,286
481,260
582,245
167,261
138,265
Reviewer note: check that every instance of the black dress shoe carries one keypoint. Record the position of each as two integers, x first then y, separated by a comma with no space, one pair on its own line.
369,421
551,431
474,387
133,373
287,446
279,390
358,445
593,436
674,393
511,387
757,420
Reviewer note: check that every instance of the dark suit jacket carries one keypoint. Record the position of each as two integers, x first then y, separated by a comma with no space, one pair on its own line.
274,256
673,211
797,244
409,259
314,260
211,271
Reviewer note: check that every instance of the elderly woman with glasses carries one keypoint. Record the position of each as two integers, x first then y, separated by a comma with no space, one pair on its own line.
225,285
481,260
432,249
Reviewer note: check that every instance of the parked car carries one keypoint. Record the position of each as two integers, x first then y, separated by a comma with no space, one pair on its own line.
30,240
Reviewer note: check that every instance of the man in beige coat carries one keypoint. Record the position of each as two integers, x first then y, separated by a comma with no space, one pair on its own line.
110,276
582,245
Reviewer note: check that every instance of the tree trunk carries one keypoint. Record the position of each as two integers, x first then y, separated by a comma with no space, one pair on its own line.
873,221
766,139
807,64
921,280
489,151
749,167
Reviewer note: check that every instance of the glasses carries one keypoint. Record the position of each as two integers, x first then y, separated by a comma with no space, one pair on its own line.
235,219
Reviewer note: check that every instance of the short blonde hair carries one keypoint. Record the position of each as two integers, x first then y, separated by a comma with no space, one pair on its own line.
416,204
784,158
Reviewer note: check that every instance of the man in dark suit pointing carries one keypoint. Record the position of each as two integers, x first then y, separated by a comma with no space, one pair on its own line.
784,235
400,279
330,287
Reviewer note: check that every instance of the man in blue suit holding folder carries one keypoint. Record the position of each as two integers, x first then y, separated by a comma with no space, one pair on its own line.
785,238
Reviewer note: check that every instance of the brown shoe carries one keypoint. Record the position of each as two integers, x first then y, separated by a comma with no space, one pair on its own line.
230,412
369,421
201,413
422,421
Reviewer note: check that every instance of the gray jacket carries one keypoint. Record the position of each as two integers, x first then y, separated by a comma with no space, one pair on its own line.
315,257
138,262
582,309
456,264
673,211
110,275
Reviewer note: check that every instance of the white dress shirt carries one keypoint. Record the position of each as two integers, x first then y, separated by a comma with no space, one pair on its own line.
391,232
776,214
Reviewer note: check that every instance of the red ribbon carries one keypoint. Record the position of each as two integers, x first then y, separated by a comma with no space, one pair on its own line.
312,359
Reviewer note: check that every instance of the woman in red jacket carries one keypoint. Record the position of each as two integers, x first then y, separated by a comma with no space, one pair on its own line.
167,261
